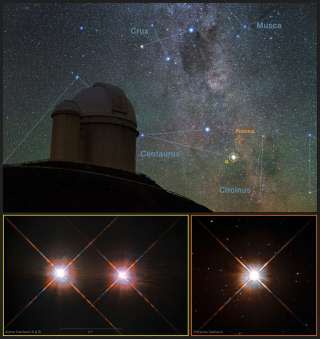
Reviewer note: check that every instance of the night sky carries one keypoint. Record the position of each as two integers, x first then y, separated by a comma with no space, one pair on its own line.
254,240
160,275
194,73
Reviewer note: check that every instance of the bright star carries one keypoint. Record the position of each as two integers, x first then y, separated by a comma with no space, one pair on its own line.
233,157
123,276
207,129
168,58
254,275
190,29
60,273
81,28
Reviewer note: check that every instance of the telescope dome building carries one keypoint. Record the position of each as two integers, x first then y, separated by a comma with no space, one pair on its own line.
98,126
92,164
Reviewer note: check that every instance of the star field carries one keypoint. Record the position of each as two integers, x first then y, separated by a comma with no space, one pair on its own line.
283,251
194,73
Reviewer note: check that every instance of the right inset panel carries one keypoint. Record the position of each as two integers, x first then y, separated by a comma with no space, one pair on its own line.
253,275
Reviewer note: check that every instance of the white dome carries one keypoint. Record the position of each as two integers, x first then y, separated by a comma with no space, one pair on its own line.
105,100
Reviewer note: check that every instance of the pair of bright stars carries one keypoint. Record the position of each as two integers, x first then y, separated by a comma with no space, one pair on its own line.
61,274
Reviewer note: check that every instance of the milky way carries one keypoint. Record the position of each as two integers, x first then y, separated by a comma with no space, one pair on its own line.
195,73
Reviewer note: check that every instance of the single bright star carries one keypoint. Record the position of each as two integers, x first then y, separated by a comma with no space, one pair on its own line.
123,276
60,273
254,275
207,129
233,157
190,29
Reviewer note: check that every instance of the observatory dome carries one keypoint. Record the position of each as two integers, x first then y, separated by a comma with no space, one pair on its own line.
97,126
107,101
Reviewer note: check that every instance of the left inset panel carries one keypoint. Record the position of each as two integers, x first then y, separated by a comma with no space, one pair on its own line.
100,275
